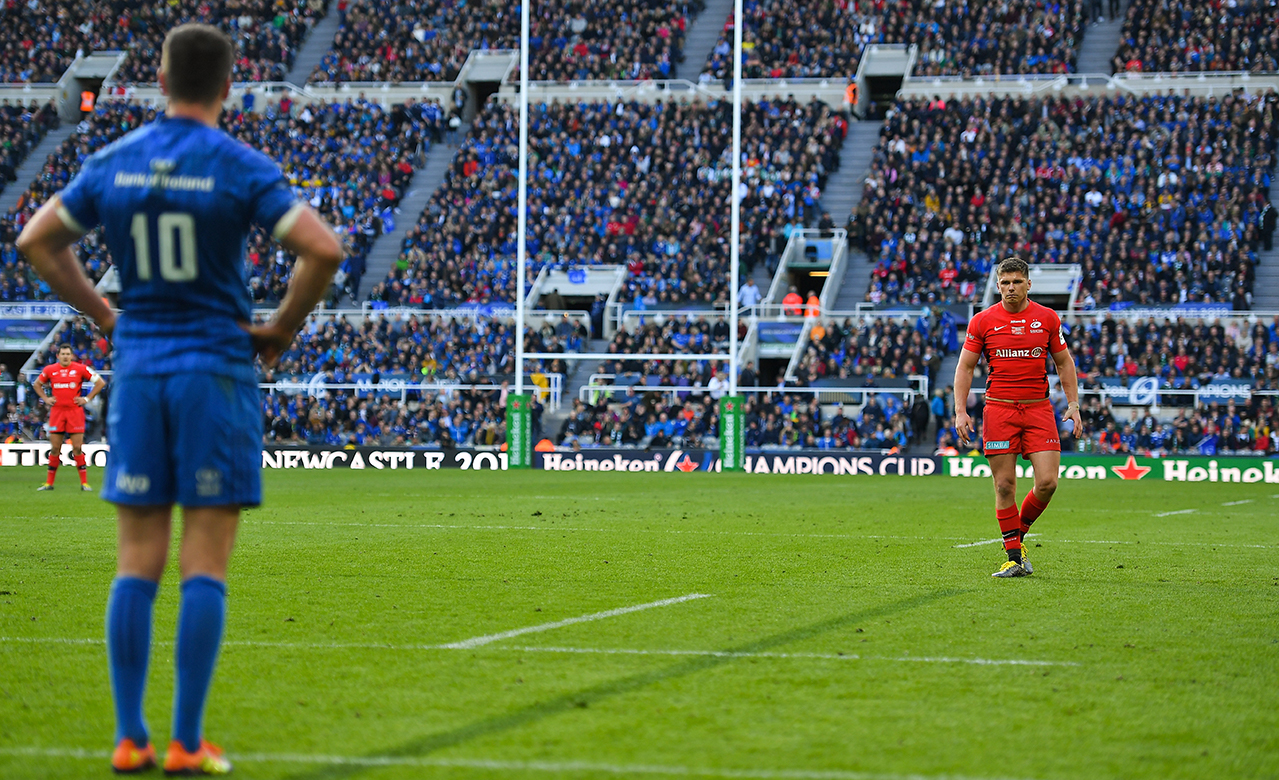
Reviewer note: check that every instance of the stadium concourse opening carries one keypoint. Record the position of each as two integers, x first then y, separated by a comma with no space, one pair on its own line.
883,93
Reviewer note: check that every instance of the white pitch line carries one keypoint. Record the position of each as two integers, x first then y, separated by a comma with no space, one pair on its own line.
605,530
1238,503
477,641
588,651
1166,544
979,544
1177,512
801,656
497,765
757,533
988,541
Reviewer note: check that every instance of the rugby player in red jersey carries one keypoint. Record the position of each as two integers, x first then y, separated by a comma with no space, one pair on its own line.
66,409
1017,336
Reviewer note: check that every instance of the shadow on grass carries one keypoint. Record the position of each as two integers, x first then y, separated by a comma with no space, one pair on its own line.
568,702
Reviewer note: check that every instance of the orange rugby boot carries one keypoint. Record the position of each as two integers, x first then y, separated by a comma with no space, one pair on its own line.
208,760
128,758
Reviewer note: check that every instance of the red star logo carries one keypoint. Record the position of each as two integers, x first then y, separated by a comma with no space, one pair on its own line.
686,465
728,407
1131,470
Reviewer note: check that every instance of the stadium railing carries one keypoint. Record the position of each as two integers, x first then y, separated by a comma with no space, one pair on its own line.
850,395
551,395
1086,83
626,318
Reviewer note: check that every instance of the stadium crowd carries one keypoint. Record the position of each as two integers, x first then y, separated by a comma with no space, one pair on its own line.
87,342
46,36
267,33
352,160
1160,198
1181,353
1178,36
1238,357
109,121
1209,428
454,418
991,37
424,347
880,348
570,40
412,348
792,39
42,39
21,128
647,415
634,183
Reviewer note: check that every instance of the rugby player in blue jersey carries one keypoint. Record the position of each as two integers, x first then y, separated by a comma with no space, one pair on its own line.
176,200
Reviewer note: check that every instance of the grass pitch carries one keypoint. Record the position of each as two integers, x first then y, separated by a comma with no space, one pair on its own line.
848,627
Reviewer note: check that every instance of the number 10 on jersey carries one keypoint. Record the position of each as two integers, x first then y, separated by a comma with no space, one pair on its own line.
177,246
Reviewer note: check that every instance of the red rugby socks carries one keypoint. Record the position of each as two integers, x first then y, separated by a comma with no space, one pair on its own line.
1031,509
1010,527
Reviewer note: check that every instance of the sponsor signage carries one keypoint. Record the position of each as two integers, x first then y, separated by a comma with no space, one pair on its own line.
36,311
382,458
1223,390
1175,310
519,430
731,434
37,454
780,332
781,462
1169,468
1143,391
24,333
850,463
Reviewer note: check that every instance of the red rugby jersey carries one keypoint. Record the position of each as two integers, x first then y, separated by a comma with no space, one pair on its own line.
64,383
1017,348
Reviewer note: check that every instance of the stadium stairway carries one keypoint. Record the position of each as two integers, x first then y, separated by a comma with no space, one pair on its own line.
32,165
843,193
1265,288
579,371
1101,42
314,47
426,180
701,36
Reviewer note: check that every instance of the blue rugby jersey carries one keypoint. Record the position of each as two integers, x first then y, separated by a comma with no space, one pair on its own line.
177,200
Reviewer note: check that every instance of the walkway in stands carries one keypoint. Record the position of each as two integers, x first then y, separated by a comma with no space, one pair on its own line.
1265,291
701,36
579,371
316,45
1101,43
426,180
843,194
32,166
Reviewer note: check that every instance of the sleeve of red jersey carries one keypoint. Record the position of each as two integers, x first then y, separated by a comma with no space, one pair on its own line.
87,374
975,341
1057,337
44,374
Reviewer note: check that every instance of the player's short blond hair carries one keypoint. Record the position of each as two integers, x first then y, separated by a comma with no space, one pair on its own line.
1012,265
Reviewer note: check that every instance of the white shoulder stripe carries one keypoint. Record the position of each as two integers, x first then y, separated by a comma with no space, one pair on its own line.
71,222
287,221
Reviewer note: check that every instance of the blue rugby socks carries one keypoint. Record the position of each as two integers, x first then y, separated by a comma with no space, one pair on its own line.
201,618
128,647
